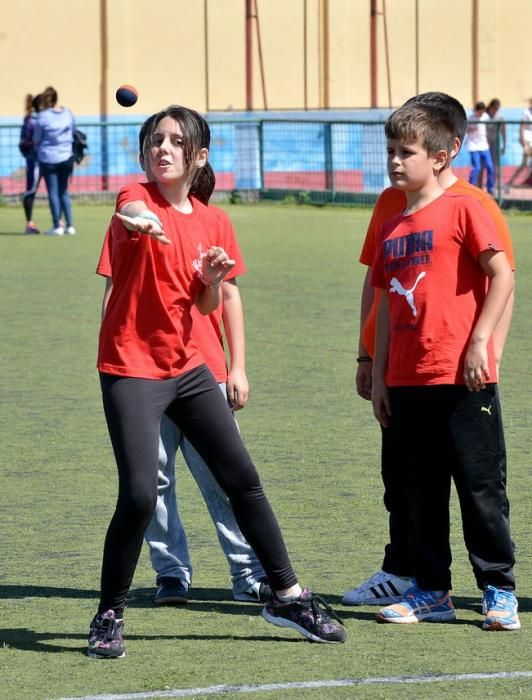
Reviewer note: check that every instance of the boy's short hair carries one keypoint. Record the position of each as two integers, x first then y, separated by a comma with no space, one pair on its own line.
411,123
446,107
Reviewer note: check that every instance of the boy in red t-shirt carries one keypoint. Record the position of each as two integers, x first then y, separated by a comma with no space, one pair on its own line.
446,281
395,576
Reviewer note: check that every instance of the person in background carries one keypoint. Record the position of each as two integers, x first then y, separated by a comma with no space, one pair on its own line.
33,106
52,138
478,146
525,139
496,131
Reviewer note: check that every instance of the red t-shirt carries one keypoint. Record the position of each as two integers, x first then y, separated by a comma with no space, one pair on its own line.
389,205
151,327
428,266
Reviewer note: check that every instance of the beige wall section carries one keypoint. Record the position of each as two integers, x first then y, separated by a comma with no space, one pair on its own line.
514,76
53,42
172,52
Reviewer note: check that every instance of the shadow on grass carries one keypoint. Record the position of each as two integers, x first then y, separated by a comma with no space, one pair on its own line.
27,591
217,600
24,639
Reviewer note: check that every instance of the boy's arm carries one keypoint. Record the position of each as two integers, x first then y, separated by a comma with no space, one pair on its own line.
233,320
501,331
379,391
495,265
364,369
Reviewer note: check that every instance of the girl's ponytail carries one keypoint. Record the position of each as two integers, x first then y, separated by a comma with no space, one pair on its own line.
203,184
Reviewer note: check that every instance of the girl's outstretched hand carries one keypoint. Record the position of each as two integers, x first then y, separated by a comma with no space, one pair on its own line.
215,264
150,226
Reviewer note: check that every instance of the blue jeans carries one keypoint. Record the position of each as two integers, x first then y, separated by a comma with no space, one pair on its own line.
56,176
166,536
480,159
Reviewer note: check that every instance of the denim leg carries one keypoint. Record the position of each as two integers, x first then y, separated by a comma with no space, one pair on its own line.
244,566
165,535
49,172
488,164
475,167
64,171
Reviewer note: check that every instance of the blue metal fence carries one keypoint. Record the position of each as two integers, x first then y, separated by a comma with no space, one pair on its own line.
329,161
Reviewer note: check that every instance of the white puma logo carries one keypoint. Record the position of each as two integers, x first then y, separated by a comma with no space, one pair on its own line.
408,294
486,408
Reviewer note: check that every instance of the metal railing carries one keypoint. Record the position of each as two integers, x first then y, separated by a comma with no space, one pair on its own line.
306,161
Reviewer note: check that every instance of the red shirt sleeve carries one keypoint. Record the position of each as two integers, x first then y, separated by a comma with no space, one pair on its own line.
104,266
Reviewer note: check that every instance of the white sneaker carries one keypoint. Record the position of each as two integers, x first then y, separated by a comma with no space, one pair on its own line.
71,231
379,589
59,231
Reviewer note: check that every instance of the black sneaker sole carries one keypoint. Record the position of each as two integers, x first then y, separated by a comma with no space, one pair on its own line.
283,622
94,655
171,600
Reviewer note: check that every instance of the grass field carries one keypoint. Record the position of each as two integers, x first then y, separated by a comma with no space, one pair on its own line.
317,448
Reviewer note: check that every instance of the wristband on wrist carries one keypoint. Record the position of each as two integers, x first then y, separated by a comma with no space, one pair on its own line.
364,358
147,214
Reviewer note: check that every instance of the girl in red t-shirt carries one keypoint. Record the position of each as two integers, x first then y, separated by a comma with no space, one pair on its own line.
164,260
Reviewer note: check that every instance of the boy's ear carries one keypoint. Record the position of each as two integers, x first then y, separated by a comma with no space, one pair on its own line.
441,159
455,149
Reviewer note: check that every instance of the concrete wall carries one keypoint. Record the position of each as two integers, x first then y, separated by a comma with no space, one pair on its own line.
316,53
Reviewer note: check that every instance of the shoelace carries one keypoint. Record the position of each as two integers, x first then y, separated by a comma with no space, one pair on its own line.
315,601
106,629
498,598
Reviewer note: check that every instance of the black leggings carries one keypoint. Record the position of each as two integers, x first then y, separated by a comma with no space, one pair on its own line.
193,401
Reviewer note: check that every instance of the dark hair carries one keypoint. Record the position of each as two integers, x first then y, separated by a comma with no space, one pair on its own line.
446,107
480,106
36,103
49,98
494,103
28,104
412,123
196,135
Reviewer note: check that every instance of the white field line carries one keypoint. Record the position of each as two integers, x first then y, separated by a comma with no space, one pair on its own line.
308,685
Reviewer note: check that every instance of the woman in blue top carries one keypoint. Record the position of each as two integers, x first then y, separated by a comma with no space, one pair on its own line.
52,138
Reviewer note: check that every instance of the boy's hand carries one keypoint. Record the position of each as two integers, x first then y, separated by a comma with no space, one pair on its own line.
381,402
215,265
476,371
149,226
363,379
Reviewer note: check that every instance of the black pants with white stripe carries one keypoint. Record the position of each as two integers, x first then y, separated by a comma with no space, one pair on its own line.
194,402
442,433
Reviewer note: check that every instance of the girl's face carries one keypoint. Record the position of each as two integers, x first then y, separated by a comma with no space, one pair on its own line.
167,158
167,162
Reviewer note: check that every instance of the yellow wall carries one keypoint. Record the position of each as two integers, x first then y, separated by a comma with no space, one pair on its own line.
172,52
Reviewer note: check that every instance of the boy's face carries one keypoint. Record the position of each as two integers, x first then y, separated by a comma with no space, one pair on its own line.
410,166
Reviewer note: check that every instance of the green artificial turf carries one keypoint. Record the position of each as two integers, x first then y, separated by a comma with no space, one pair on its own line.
314,441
